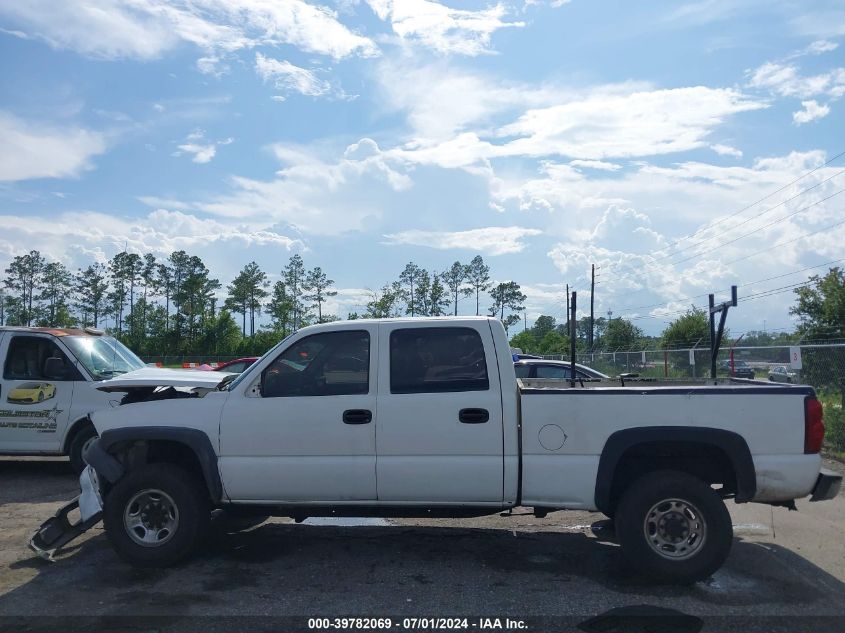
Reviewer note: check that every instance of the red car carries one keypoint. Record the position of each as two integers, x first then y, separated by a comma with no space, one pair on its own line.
238,365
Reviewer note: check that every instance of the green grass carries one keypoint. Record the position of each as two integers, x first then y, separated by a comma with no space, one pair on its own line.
834,421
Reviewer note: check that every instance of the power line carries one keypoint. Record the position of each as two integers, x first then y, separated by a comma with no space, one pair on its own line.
765,226
754,217
748,283
734,214
800,237
753,204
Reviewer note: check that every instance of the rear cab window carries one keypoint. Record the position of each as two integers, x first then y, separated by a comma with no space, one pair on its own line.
437,360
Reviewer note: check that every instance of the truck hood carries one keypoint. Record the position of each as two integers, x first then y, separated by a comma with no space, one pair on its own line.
161,377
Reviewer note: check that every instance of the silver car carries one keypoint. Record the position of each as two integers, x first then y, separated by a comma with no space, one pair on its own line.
782,373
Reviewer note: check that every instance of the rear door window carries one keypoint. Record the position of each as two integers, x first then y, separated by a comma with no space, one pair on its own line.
437,360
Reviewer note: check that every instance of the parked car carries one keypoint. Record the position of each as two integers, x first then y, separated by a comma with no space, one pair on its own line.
782,373
238,365
415,417
741,369
539,368
48,387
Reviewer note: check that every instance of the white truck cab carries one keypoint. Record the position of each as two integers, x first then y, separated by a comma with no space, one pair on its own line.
48,387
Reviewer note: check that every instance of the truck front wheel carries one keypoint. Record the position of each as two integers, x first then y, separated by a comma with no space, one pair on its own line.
673,527
156,515
82,439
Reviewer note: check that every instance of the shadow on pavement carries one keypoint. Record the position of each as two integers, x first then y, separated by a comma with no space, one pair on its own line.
280,569
27,479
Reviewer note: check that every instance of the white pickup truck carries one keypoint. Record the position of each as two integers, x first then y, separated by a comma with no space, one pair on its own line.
425,417
48,387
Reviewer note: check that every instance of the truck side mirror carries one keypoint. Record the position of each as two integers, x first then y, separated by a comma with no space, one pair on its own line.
54,368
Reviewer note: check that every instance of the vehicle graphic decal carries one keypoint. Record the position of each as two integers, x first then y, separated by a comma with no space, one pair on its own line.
31,393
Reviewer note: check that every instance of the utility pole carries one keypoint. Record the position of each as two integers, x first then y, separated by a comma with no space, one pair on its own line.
716,333
592,296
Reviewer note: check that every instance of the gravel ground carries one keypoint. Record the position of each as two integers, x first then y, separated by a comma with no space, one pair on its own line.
785,572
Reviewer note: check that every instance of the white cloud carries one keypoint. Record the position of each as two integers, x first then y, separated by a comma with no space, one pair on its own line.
212,65
317,196
492,240
36,150
444,29
77,237
820,46
726,150
645,272
146,29
610,122
203,152
786,80
289,78
639,123
811,112
596,164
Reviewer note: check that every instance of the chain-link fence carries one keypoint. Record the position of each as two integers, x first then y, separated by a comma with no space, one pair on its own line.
820,365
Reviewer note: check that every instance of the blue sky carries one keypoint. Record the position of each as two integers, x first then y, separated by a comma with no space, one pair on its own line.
544,135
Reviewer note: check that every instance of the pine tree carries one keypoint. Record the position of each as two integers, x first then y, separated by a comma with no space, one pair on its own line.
478,276
319,289
280,308
57,286
507,296
23,277
454,278
438,300
92,288
411,277
295,281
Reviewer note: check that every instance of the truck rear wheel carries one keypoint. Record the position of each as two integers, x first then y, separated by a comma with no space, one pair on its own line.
673,527
156,515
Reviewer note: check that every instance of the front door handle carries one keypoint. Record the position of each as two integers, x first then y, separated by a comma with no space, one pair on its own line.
357,416
474,416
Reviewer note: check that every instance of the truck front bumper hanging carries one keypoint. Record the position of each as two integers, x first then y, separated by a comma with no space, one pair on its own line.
827,485
58,531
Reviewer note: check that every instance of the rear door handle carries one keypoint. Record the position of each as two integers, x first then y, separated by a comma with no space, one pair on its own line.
357,416
474,416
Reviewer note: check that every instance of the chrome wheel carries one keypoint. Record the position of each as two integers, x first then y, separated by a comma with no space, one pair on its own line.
151,518
675,529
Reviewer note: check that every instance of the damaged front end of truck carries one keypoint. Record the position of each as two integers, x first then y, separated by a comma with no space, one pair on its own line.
104,467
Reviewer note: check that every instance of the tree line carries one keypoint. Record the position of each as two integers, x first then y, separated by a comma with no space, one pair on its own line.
169,305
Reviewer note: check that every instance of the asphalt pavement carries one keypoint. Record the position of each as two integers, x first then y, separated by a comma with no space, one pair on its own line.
786,572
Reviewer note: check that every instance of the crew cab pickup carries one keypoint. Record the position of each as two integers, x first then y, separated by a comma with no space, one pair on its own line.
47,387
425,417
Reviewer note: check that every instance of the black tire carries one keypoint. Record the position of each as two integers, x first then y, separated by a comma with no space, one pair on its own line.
193,512
698,509
77,447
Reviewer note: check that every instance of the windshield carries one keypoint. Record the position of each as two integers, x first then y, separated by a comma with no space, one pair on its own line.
103,356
